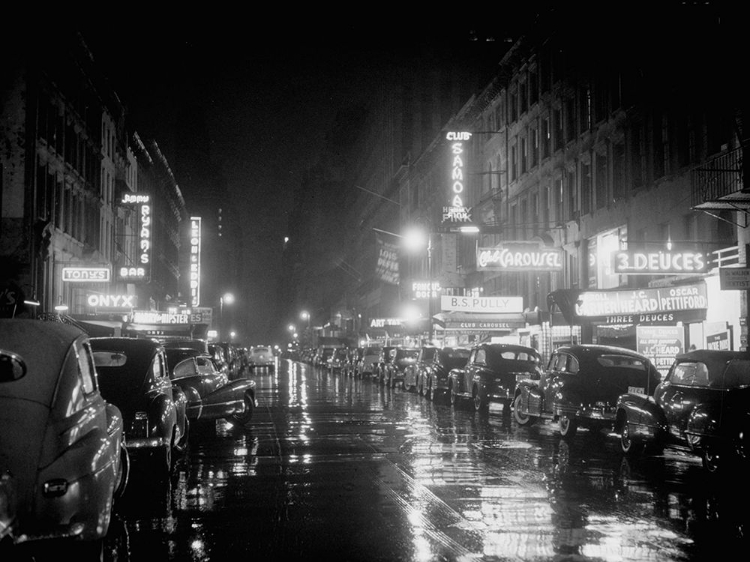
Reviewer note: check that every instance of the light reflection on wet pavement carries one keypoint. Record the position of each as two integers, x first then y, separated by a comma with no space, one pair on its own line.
344,469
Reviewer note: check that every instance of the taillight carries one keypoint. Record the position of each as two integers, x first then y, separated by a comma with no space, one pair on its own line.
55,488
139,429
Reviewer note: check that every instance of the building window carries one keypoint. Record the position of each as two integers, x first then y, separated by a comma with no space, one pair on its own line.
659,140
601,180
546,138
572,195
513,106
570,119
584,109
559,125
524,155
534,146
514,162
618,170
533,86
586,194
636,155
523,96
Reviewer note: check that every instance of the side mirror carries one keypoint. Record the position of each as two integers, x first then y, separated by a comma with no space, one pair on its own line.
12,366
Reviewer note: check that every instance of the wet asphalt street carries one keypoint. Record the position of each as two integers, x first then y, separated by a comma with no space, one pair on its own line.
335,468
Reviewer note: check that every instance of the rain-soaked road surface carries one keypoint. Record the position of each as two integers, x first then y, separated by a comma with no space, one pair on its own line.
343,469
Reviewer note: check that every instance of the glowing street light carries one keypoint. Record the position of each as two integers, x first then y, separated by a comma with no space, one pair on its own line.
226,298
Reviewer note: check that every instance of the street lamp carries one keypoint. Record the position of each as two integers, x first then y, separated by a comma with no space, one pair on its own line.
227,298
416,238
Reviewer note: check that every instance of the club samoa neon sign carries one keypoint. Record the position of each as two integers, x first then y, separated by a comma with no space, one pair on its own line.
457,212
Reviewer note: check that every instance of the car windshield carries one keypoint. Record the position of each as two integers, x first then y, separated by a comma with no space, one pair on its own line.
407,354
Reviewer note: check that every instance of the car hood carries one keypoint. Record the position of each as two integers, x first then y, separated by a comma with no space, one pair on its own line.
22,428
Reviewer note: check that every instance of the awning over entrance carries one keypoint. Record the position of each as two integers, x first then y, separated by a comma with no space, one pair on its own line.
478,321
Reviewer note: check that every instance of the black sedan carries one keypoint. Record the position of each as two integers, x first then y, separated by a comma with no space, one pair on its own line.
133,375
491,373
210,393
581,386
703,403
433,374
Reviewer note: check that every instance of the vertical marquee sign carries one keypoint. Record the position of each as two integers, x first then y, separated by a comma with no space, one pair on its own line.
457,213
141,270
195,261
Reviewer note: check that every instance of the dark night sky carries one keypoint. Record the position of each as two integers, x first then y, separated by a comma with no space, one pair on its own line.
269,92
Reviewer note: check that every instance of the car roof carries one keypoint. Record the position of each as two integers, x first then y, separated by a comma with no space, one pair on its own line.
598,349
44,347
715,359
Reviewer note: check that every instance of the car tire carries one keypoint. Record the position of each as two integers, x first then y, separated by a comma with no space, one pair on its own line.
481,404
520,417
122,482
568,427
627,445
247,414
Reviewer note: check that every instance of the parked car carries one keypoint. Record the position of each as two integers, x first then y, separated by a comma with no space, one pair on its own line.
491,373
368,363
261,356
218,356
702,403
581,386
412,371
433,373
337,360
210,393
401,357
324,354
379,368
62,457
133,375
351,366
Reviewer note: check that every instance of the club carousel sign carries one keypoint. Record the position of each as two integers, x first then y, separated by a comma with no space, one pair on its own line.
519,257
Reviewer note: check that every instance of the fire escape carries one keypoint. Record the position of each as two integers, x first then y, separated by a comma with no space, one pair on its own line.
718,186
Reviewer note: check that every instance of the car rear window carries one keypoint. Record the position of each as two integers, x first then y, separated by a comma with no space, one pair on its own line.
736,375
690,374
109,359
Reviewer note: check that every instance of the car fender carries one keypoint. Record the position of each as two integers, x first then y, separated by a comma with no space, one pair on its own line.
455,376
230,392
646,419
707,422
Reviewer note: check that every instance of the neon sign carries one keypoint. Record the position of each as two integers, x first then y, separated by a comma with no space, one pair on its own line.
111,301
457,211
635,262
195,261
86,274
141,270
425,289
519,257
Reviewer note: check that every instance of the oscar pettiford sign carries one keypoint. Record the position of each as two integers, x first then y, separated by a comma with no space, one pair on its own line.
519,256
642,306
661,262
